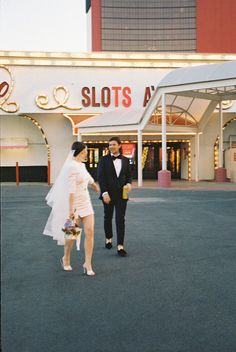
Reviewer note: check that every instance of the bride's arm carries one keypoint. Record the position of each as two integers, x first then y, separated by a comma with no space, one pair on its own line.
72,190
93,184
71,204
95,187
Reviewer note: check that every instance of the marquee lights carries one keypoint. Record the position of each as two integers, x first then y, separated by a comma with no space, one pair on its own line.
136,133
144,154
216,152
116,59
189,161
216,145
37,124
229,122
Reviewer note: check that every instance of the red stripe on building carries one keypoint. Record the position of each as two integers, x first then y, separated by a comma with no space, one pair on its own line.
216,26
96,25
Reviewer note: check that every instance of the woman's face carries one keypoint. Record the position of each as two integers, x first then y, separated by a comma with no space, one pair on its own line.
84,153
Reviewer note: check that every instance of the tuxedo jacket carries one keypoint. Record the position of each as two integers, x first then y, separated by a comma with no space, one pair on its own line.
108,180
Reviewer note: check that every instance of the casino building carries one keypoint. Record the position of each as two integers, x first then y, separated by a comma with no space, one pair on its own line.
49,100
200,26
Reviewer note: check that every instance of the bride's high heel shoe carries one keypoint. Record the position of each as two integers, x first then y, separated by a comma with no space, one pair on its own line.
65,267
88,272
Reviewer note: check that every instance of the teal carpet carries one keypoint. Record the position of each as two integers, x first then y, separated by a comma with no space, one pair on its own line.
175,292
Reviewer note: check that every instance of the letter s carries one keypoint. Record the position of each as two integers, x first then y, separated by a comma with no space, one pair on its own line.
126,102
86,101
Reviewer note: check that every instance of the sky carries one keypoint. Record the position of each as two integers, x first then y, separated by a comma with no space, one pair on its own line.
43,25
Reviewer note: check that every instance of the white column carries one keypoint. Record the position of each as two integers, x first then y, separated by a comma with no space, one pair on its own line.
221,136
163,132
79,138
140,151
197,157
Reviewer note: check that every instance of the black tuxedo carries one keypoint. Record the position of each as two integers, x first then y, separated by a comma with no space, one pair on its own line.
109,182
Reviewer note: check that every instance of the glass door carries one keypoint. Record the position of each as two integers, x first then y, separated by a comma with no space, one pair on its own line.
173,159
149,161
92,161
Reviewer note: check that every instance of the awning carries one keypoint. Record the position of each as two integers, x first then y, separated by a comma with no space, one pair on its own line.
118,120
187,94
196,90
192,93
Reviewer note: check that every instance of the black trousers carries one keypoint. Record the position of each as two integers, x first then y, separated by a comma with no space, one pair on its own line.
120,209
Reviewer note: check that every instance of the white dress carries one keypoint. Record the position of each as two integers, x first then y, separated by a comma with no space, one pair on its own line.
79,179
75,180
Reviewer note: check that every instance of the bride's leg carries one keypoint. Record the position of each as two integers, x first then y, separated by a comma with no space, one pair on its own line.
67,251
88,222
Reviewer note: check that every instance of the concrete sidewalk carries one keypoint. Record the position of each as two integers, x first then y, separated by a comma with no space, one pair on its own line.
191,185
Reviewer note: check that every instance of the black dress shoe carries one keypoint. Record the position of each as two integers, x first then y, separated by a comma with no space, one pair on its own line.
108,245
121,252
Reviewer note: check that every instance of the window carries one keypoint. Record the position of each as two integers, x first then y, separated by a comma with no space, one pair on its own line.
151,25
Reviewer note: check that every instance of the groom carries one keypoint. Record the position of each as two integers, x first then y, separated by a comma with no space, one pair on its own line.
113,174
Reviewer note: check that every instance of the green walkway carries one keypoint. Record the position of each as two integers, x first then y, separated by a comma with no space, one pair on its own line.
175,292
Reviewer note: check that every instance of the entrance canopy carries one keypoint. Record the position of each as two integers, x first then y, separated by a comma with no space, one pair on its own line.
184,100
197,90
194,92
119,120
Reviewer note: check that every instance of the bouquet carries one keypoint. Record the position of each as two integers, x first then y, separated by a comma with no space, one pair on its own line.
72,229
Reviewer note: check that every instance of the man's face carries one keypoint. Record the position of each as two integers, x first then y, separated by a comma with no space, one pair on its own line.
114,147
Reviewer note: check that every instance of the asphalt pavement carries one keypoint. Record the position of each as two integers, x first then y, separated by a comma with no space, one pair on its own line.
174,292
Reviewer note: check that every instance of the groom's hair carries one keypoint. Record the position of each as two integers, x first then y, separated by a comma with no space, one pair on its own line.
116,139
78,147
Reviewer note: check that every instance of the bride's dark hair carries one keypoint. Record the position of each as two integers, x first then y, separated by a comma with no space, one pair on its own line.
78,147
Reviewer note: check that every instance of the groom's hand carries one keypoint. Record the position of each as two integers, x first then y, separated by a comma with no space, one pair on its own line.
106,198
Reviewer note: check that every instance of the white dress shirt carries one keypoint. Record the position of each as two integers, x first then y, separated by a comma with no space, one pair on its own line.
117,164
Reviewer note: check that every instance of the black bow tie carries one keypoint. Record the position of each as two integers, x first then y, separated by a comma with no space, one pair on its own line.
115,157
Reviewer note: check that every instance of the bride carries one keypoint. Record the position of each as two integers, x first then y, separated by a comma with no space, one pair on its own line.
68,198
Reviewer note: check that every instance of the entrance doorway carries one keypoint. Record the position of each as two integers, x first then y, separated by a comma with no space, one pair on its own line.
152,159
93,160
95,152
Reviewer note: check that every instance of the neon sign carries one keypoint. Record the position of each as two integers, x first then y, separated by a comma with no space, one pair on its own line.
6,90
4,87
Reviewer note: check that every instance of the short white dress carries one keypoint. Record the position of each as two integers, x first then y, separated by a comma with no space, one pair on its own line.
79,179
